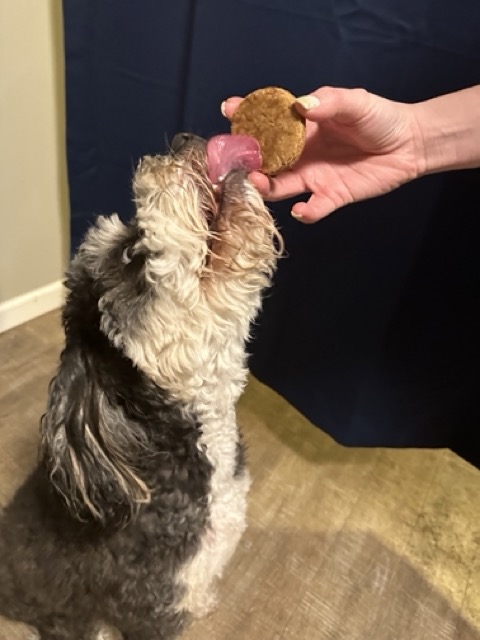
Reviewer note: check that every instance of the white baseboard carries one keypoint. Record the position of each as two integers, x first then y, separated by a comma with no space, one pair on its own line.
31,305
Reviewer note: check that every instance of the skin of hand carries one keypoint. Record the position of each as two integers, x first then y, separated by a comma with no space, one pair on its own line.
358,145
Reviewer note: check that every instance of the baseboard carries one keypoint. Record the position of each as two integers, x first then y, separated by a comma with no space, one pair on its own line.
31,305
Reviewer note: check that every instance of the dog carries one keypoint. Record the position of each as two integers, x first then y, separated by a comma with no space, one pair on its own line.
138,499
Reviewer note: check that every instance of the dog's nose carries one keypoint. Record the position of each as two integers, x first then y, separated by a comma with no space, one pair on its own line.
181,140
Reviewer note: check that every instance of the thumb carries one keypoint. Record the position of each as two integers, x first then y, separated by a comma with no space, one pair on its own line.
342,105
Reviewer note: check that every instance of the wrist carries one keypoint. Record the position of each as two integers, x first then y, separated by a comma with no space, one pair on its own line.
446,132
435,139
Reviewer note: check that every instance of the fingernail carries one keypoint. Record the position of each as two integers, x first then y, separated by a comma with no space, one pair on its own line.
222,108
308,102
296,215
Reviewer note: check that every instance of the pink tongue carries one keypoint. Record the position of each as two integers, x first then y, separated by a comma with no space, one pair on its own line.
227,152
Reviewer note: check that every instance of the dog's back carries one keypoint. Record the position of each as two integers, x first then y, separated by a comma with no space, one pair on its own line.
61,572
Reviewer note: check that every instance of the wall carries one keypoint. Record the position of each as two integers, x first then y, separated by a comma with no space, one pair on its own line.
33,187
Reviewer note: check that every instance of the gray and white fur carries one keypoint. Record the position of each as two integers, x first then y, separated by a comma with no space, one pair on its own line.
138,499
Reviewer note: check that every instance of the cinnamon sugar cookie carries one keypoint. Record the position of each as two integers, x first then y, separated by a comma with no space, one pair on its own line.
269,115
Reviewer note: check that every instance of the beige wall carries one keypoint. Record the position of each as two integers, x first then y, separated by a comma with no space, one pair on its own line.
33,193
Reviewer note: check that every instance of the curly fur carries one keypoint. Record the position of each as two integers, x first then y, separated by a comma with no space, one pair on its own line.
139,496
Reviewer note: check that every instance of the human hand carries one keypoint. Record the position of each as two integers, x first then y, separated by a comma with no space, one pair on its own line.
358,145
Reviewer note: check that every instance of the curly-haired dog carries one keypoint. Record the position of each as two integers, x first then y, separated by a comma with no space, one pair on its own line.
138,500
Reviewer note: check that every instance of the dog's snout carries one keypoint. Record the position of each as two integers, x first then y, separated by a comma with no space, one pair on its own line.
180,140
183,140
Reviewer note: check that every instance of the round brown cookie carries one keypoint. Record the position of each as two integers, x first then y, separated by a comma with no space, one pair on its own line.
269,115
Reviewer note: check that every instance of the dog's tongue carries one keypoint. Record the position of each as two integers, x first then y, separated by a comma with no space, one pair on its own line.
228,152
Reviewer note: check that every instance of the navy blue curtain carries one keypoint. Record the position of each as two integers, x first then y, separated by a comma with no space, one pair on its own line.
371,328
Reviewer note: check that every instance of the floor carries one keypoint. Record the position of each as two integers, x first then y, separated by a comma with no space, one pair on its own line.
342,544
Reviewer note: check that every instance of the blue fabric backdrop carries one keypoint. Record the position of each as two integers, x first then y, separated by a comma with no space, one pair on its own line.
371,329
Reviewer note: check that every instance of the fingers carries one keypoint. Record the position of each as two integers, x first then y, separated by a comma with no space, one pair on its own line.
261,182
288,185
343,105
285,185
316,208
229,106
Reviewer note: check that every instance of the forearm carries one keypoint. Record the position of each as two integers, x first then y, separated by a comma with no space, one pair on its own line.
449,131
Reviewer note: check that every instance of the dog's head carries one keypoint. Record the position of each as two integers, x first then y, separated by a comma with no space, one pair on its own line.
168,297
199,231
193,250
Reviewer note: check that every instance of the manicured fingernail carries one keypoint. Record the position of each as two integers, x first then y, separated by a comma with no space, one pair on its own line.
308,102
297,216
222,108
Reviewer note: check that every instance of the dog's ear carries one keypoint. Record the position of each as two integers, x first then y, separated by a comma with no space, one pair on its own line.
89,446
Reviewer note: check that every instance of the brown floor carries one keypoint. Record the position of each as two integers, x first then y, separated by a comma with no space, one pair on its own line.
341,545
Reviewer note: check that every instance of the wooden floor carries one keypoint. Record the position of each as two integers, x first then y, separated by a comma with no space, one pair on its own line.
341,545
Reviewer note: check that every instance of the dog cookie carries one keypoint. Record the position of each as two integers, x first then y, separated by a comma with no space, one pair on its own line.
269,115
